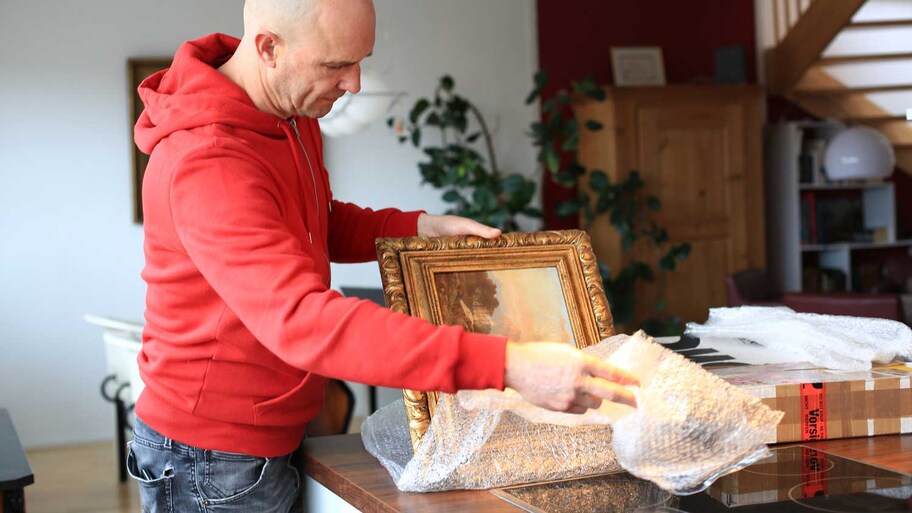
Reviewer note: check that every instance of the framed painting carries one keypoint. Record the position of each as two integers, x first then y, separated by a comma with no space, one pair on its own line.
539,286
138,70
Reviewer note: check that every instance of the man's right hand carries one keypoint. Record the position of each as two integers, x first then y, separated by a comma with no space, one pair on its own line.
558,377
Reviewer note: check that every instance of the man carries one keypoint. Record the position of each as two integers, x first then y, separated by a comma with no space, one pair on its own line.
240,227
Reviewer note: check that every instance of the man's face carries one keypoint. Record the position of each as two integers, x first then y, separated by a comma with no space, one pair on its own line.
325,60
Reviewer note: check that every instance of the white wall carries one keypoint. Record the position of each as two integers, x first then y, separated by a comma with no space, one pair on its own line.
69,246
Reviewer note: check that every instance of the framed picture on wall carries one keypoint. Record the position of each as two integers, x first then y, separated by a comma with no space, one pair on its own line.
523,286
637,65
138,70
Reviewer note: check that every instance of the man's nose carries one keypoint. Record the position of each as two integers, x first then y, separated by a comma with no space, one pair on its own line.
352,80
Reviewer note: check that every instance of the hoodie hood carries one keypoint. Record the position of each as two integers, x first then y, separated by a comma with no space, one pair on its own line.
192,93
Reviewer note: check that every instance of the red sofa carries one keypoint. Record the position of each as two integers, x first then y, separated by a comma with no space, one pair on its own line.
753,287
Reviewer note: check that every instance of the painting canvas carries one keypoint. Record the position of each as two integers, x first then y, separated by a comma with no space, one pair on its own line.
540,286
524,305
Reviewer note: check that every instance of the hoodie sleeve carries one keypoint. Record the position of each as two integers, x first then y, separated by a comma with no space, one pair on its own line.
353,230
228,219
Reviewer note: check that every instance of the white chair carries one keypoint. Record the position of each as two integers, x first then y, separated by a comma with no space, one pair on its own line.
122,384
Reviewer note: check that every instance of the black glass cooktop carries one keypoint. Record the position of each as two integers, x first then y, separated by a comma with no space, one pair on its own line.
792,479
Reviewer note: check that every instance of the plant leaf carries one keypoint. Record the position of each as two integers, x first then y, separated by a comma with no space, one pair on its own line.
571,143
568,208
553,159
598,181
513,183
653,203
451,196
418,109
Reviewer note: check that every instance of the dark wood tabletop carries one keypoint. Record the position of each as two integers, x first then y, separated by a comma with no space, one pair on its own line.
341,464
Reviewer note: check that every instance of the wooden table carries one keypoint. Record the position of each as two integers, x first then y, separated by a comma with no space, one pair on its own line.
341,464
15,472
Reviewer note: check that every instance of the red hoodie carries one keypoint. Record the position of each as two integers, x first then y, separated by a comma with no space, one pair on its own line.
240,227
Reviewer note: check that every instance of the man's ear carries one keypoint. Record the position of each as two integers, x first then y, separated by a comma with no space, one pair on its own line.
267,44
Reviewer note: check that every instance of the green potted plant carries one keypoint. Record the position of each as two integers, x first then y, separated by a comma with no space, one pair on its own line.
470,178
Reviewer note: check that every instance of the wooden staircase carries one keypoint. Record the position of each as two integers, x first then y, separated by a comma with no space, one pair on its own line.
796,68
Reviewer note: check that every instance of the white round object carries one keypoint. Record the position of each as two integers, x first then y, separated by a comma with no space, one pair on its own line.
338,122
859,153
372,102
353,113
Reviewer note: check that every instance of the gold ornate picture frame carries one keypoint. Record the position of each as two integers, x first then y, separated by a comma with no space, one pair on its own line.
538,286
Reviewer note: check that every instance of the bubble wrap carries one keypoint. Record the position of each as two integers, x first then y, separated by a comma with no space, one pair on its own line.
483,449
829,341
690,428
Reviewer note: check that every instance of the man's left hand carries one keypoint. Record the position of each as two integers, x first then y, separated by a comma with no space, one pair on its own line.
433,225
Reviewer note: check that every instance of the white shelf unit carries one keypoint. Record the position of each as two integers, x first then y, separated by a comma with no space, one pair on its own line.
785,252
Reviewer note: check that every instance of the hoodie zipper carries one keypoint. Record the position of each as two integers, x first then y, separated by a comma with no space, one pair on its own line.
313,179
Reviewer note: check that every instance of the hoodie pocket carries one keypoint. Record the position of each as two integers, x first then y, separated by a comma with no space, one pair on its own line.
293,408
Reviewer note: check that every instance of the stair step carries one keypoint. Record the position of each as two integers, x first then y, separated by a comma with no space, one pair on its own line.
843,91
886,118
880,24
843,59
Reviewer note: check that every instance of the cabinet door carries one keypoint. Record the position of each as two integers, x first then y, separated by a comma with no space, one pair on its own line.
692,156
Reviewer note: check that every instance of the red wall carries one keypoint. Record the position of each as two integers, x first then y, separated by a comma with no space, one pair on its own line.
575,39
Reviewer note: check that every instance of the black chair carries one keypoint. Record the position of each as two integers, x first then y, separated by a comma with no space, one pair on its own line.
336,414
376,295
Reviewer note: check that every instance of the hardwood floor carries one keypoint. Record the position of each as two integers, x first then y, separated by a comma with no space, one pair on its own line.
79,479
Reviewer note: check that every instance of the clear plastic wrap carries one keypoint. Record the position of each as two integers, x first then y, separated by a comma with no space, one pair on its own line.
829,341
483,449
690,428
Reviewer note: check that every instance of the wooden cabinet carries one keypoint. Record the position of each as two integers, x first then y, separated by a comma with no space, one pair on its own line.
698,149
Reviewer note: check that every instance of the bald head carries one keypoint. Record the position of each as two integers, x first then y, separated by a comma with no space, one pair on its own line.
282,17
297,57
291,18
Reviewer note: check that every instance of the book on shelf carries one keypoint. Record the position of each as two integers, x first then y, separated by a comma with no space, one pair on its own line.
808,218
811,161
830,218
838,219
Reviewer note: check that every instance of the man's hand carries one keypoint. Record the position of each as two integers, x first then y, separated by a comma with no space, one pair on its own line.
433,226
561,378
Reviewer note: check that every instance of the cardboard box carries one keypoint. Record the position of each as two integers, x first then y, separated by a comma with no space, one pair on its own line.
822,404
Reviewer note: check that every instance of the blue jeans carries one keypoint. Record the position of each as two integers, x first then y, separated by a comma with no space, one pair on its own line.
178,478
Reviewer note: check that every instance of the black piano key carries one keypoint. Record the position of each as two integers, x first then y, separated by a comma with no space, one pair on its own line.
711,358
687,353
724,364
686,342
